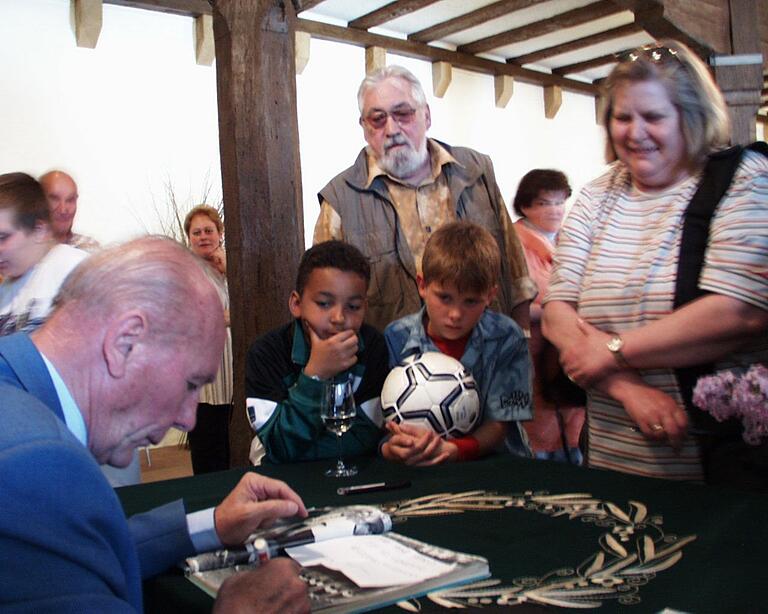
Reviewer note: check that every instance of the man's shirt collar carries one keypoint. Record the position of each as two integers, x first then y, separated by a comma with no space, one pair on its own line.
72,416
438,155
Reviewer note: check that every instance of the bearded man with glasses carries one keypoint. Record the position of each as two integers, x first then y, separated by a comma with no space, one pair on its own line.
402,187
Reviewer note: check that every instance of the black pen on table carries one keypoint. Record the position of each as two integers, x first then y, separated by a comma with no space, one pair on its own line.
360,489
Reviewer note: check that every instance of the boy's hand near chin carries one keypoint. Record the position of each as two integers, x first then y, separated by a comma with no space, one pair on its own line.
330,356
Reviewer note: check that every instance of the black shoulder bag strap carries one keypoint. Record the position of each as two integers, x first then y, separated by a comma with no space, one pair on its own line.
717,178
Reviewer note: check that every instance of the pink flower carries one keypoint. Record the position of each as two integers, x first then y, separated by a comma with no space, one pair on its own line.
729,395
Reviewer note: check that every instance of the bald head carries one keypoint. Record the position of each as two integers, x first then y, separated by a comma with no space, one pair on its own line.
155,274
136,331
61,191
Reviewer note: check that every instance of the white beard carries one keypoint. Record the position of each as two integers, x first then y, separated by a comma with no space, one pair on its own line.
404,161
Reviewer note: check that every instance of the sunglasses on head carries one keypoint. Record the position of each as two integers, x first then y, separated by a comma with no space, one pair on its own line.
654,53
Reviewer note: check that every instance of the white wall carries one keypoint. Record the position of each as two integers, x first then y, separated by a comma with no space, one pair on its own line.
121,119
137,112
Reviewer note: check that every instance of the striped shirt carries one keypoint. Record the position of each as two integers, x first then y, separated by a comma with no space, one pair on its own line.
617,260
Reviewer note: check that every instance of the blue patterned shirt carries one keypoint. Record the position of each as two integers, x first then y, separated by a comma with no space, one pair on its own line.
496,355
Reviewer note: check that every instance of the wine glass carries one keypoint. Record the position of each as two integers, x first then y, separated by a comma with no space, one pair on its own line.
337,411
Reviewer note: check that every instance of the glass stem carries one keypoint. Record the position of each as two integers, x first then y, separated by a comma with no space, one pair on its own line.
340,463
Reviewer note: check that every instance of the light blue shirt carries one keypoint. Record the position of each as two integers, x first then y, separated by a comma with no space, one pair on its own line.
72,416
200,525
496,355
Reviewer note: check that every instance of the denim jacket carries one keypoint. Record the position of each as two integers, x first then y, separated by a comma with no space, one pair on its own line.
496,355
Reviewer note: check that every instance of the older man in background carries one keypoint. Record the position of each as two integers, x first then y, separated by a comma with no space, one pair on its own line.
136,331
61,191
32,263
402,187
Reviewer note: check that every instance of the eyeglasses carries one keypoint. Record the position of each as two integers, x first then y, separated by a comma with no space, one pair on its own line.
656,54
540,202
402,115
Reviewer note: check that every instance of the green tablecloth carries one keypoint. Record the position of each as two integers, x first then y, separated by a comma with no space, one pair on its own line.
722,569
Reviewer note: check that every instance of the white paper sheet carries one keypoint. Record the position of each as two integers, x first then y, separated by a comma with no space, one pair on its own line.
370,561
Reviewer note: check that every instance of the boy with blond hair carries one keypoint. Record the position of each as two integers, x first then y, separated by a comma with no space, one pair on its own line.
458,282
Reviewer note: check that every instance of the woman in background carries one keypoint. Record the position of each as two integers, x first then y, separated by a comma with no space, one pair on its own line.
209,440
558,417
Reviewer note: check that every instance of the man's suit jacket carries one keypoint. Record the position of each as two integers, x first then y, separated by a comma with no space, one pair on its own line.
65,544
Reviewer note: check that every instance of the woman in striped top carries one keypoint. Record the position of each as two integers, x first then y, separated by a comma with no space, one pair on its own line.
610,305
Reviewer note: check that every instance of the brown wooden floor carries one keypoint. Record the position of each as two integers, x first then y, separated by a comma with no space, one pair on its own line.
167,462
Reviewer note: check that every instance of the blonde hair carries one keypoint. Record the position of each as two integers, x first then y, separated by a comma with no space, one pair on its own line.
704,118
463,254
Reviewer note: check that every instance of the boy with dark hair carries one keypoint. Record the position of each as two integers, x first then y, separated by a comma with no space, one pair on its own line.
459,277
287,368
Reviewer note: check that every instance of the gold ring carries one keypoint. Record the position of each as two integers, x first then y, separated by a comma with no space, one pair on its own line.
657,427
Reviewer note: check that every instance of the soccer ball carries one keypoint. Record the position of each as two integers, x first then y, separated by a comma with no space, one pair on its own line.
432,390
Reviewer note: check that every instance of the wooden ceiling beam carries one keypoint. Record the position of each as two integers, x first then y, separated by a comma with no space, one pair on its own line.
187,8
361,38
205,47
88,20
568,19
388,12
306,5
575,45
470,20
586,65
652,17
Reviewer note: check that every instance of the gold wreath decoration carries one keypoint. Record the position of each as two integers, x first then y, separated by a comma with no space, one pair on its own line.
631,552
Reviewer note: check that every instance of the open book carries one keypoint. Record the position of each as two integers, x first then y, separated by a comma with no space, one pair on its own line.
351,560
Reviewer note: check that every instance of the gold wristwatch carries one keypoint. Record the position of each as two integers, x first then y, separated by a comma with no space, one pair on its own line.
614,346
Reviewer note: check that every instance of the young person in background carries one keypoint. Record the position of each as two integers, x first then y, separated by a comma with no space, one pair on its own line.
458,283
287,368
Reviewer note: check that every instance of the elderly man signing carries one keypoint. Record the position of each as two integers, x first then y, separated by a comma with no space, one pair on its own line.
404,186
113,368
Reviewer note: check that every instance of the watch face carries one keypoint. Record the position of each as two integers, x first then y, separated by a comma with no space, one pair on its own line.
615,344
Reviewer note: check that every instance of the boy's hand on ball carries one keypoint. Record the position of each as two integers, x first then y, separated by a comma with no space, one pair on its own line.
417,446
330,356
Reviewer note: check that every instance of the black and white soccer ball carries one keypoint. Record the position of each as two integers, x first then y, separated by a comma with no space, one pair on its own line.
432,390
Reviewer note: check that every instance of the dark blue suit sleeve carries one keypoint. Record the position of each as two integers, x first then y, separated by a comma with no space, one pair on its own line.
64,543
161,538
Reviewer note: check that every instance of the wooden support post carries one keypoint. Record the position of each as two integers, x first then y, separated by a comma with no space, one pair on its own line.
442,73
553,98
205,49
261,176
599,110
740,76
503,88
302,51
88,18
375,58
